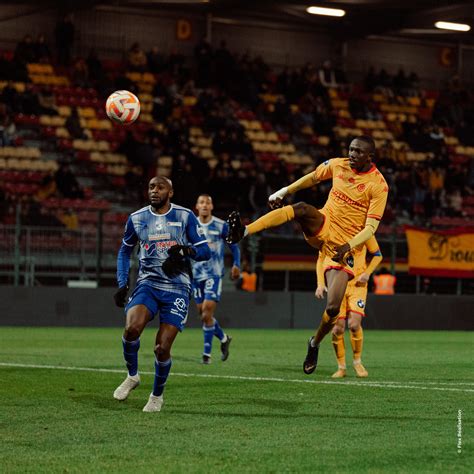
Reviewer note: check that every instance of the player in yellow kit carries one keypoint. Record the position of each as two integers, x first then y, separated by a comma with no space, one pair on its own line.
350,217
352,307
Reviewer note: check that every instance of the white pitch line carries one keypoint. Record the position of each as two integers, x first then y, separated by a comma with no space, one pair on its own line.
247,378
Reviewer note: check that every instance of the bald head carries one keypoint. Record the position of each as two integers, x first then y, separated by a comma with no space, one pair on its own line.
163,179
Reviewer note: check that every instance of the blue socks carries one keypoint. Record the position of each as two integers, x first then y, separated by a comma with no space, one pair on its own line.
130,354
218,332
162,370
208,335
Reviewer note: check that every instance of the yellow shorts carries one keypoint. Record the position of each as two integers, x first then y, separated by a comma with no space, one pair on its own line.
354,300
322,240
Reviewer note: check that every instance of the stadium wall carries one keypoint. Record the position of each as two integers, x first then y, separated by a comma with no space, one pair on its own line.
272,310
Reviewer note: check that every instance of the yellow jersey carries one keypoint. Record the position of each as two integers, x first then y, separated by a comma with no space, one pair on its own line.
353,198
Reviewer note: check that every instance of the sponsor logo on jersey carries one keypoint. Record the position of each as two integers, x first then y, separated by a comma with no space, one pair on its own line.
200,231
341,196
214,232
180,304
158,247
165,236
159,226
361,187
175,224
361,303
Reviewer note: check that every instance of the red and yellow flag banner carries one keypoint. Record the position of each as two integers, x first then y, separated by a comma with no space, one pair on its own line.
448,253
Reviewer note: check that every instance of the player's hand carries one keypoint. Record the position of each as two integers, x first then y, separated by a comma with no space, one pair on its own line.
319,293
120,297
178,252
235,272
276,199
362,280
275,204
340,252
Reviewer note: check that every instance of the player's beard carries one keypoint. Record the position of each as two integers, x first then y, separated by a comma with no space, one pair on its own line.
159,202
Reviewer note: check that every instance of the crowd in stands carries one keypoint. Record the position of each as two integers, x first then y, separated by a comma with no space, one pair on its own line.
226,101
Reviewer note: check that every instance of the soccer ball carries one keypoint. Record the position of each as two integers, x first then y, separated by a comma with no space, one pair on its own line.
123,107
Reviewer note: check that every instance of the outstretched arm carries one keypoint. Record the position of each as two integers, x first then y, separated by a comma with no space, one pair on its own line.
321,173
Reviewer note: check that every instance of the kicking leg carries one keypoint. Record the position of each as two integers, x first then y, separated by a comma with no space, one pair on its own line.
308,216
164,340
136,320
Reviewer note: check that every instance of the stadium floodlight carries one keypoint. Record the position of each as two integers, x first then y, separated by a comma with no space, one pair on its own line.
326,11
447,25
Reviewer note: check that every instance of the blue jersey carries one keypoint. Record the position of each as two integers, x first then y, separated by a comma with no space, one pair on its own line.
156,233
215,231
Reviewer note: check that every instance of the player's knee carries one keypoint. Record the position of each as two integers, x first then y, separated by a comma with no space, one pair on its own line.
162,350
301,209
338,330
354,326
132,332
332,310
207,319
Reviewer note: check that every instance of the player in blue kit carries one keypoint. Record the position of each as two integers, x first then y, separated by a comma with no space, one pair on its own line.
207,276
168,236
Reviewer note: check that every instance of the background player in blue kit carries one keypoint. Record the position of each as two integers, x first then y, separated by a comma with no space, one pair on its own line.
207,276
169,236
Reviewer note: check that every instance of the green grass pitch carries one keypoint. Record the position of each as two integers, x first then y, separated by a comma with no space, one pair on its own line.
256,413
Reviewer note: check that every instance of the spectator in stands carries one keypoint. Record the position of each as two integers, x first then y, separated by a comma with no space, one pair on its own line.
80,73
73,125
136,58
94,65
10,97
203,54
69,219
46,101
175,62
7,129
25,50
47,188
64,34
327,75
67,184
155,60
436,179
224,65
42,51
29,101
454,200
258,194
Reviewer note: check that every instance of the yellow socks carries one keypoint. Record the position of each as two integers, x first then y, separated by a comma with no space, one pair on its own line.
325,327
272,219
357,340
339,349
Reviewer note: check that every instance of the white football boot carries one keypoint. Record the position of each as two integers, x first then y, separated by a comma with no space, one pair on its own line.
124,389
154,403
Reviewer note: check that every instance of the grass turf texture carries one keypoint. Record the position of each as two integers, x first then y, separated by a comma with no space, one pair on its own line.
67,421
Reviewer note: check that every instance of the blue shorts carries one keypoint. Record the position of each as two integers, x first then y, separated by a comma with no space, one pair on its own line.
209,289
173,307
